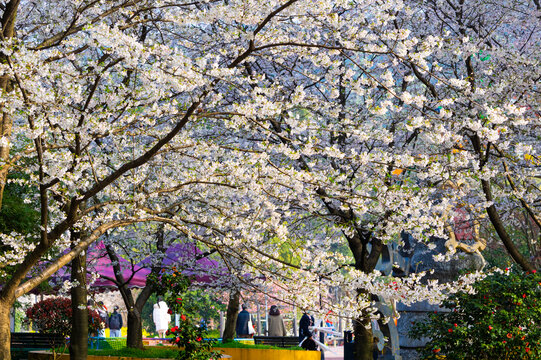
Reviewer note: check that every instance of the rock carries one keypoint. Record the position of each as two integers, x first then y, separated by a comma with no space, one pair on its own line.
421,258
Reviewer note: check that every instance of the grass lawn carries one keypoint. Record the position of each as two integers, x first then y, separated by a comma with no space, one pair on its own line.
148,352
236,344
168,352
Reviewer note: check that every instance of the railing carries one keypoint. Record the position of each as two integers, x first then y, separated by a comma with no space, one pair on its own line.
103,343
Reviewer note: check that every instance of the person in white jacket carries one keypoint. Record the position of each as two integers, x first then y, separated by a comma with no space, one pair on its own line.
161,318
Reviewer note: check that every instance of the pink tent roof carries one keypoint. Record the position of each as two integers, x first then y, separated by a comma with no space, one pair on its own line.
184,255
100,263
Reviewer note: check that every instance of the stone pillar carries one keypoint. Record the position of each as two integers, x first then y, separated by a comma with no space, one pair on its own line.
258,319
295,330
423,260
222,323
408,315
12,320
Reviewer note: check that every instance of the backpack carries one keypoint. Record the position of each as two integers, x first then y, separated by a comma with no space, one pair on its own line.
114,321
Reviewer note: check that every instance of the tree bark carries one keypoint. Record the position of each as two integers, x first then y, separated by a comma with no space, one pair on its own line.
135,329
135,322
8,31
127,296
365,261
5,332
496,221
79,321
363,342
492,212
231,317
5,132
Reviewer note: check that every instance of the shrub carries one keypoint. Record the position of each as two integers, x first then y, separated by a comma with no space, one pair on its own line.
502,320
53,315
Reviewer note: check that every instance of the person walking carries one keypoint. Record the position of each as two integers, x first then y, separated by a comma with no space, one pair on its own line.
244,322
306,337
161,318
115,323
304,323
276,322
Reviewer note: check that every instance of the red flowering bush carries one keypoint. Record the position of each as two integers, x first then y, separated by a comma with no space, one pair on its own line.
53,315
502,320
171,285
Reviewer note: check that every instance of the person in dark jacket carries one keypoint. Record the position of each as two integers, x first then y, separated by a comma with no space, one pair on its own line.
115,323
306,337
304,323
242,323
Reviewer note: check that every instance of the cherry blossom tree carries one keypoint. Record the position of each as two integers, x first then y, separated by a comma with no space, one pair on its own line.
91,91
365,129
257,126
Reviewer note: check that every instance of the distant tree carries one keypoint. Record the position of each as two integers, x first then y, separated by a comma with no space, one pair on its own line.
203,305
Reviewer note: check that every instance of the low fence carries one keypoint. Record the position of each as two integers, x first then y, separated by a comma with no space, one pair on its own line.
103,343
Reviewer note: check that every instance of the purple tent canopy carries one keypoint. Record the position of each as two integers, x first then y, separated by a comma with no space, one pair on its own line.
99,262
204,270
190,258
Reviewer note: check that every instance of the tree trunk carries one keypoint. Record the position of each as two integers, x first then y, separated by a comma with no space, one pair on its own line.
135,308
364,342
5,333
135,322
8,30
494,215
79,321
135,329
231,317
497,222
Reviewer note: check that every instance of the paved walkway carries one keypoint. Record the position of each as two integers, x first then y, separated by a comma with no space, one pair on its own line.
336,354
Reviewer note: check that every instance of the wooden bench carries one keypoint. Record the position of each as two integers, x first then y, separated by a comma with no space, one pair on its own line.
22,343
281,341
